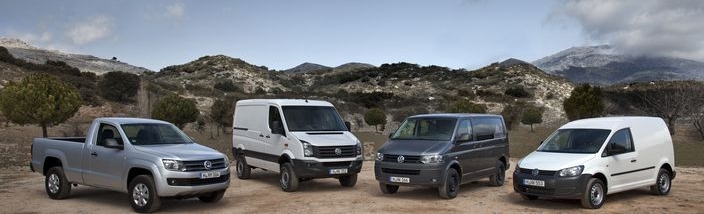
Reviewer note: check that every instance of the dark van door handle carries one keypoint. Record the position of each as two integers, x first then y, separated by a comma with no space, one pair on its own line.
94,154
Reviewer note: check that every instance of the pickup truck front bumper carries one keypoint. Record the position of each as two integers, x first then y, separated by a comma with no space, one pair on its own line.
185,184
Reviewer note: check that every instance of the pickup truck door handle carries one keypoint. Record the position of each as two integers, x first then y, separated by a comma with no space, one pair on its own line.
95,154
633,161
268,136
261,135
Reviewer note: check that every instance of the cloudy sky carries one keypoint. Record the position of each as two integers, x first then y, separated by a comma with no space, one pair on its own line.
281,34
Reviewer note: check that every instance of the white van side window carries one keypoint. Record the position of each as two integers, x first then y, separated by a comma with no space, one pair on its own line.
622,142
273,116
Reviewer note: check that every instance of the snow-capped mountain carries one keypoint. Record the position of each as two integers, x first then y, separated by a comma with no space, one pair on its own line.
603,65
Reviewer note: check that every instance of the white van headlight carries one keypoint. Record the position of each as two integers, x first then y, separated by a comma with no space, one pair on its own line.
307,149
431,159
173,165
571,171
379,156
358,148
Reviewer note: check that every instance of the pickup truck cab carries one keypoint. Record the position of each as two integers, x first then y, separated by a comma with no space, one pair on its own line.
145,158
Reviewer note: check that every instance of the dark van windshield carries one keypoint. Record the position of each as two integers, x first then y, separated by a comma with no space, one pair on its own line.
426,128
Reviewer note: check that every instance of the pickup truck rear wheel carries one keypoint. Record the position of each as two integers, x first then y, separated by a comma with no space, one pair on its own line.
243,170
143,195
348,180
212,197
288,178
56,184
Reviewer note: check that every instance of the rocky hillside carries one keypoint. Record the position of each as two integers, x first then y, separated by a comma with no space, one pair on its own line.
85,63
602,65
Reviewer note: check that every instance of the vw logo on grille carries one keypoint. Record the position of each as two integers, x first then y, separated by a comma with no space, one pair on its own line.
338,151
400,159
535,172
207,164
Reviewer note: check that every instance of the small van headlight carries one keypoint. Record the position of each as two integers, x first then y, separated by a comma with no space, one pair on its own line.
173,165
307,149
431,159
379,156
571,171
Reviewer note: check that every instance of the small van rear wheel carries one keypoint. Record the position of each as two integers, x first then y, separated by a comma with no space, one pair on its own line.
594,195
388,189
243,170
288,178
498,178
663,183
348,180
451,185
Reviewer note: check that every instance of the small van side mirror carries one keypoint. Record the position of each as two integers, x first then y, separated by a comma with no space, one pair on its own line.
277,128
348,125
112,143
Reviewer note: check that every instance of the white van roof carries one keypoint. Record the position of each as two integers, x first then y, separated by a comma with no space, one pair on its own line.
612,123
284,102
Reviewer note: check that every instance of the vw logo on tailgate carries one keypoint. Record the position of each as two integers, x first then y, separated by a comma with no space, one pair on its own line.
207,165
400,159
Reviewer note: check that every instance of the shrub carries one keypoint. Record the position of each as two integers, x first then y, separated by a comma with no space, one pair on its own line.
175,109
118,86
517,91
584,102
466,106
375,117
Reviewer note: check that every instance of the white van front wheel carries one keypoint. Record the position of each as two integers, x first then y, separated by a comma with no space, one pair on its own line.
348,180
288,178
595,195
662,183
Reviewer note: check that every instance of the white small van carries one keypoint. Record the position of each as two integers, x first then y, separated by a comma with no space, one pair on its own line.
591,158
300,139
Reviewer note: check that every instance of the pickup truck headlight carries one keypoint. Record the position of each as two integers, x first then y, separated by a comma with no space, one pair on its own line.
307,149
571,171
379,156
173,165
431,159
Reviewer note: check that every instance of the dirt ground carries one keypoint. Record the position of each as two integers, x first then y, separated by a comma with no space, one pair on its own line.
23,192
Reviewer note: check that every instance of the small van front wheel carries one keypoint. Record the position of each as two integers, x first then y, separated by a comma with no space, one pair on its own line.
348,180
594,195
388,189
663,183
451,185
288,178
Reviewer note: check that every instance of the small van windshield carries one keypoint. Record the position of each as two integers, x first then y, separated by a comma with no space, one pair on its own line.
426,128
312,118
154,133
587,141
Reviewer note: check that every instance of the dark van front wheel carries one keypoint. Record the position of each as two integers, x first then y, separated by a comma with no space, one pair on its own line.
449,188
388,189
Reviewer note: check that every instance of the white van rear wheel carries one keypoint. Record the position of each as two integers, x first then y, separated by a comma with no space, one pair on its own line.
243,170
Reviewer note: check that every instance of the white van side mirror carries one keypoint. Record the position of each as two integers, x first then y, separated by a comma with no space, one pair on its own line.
277,128
348,125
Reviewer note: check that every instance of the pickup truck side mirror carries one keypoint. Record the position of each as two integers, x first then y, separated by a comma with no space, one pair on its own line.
112,143
348,125
277,128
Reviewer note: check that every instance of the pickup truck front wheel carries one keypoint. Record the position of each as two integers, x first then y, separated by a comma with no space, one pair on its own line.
57,187
143,196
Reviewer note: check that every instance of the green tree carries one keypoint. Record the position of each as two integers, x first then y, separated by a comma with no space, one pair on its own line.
221,113
375,117
585,101
466,106
175,109
39,99
512,113
118,86
532,115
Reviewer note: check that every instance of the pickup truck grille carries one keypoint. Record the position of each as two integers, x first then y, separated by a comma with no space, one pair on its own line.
330,151
200,165
197,181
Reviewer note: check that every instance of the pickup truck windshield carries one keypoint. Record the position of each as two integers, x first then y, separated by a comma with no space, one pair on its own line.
426,128
151,134
587,141
313,118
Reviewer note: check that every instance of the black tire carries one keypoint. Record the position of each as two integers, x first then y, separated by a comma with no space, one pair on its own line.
242,169
450,186
287,178
212,197
388,189
348,180
663,183
594,195
499,177
529,197
142,194
56,184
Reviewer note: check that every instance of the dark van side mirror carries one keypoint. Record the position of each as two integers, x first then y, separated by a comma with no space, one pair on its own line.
277,128
463,137
348,125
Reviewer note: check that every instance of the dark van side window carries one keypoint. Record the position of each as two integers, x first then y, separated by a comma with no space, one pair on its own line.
487,128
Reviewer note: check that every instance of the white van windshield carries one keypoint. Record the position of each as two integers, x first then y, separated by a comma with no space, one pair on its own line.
426,128
587,141
312,118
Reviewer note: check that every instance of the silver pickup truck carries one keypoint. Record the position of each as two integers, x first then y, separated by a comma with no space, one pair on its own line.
148,159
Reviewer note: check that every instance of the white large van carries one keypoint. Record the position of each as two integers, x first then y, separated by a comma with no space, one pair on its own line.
300,139
591,158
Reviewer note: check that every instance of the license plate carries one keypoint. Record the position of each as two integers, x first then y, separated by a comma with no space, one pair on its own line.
531,182
400,179
205,175
338,171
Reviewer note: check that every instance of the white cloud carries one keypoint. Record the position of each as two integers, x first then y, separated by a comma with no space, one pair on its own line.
94,28
176,10
31,38
642,27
